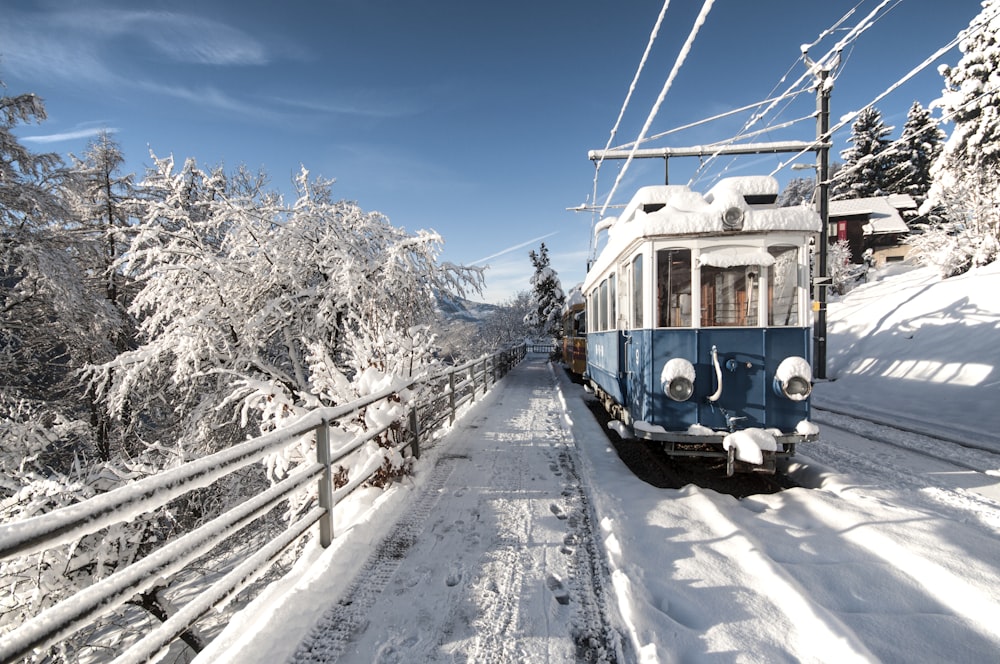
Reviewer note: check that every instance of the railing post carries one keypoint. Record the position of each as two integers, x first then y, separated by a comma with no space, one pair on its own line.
472,377
415,432
451,396
325,488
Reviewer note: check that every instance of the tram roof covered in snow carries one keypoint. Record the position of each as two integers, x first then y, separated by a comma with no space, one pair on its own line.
734,205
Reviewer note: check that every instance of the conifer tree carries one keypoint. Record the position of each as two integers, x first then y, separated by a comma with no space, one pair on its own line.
797,192
867,163
544,319
965,175
915,152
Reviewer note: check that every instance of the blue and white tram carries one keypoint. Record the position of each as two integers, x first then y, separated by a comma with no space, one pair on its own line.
698,321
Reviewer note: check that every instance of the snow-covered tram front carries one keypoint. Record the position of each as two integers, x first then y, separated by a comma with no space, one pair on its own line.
698,321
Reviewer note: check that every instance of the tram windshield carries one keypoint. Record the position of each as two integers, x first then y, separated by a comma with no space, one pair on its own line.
735,287
729,295
783,294
673,289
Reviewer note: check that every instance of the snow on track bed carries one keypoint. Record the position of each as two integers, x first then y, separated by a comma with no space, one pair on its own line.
494,561
959,482
856,568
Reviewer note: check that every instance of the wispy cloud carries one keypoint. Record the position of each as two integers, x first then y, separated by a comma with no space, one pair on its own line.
514,248
68,135
359,104
210,97
77,45
194,39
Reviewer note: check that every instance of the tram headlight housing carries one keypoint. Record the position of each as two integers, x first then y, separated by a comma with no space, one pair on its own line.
793,379
732,219
677,379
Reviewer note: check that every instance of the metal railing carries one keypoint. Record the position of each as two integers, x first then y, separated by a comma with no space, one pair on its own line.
438,397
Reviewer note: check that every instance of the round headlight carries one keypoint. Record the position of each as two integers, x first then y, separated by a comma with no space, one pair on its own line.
680,389
677,379
793,379
732,219
797,388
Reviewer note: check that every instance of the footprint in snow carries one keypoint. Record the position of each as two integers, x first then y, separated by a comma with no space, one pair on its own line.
559,591
558,511
454,576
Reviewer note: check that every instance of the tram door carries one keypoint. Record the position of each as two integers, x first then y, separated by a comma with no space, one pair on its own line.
636,339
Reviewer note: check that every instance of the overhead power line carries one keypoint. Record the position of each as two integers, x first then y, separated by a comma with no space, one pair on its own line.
681,57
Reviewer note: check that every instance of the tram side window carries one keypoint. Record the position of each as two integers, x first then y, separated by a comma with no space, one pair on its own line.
602,307
673,288
783,300
637,292
609,322
729,295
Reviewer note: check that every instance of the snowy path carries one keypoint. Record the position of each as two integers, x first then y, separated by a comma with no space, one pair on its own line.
523,537
485,564
491,558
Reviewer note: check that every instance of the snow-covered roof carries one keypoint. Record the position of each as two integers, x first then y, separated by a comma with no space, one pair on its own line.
676,210
882,212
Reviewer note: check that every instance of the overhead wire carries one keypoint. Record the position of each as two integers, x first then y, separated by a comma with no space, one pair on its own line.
790,94
628,97
678,62
849,117
895,145
852,35
696,123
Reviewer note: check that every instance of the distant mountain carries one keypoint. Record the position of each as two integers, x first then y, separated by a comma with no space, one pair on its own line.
457,308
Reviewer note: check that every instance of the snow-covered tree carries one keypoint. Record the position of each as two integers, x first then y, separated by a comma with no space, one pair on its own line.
544,318
507,325
966,175
843,273
915,152
54,317
251,311
867,163
100,196
798,191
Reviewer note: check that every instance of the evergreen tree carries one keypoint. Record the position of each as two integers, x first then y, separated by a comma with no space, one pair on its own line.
965,175
867,163
798,191
545,318
915,152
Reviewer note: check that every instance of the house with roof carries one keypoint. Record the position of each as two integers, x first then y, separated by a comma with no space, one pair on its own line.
872,223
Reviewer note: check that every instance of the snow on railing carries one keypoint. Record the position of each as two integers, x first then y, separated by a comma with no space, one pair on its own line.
442,396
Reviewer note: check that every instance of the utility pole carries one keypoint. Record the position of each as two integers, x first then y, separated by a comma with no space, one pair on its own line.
823,85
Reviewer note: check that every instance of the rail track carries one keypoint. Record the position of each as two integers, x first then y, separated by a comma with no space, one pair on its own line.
972,456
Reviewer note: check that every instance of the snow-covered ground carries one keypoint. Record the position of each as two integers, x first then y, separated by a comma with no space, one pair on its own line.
523,537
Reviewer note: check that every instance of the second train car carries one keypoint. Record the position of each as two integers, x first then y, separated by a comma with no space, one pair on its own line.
698,321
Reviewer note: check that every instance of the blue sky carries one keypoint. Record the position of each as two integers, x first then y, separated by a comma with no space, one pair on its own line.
470,118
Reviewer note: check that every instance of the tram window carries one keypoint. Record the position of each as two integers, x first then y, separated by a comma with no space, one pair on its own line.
637,292
729,295
602,307
609,322
673,288
783,300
